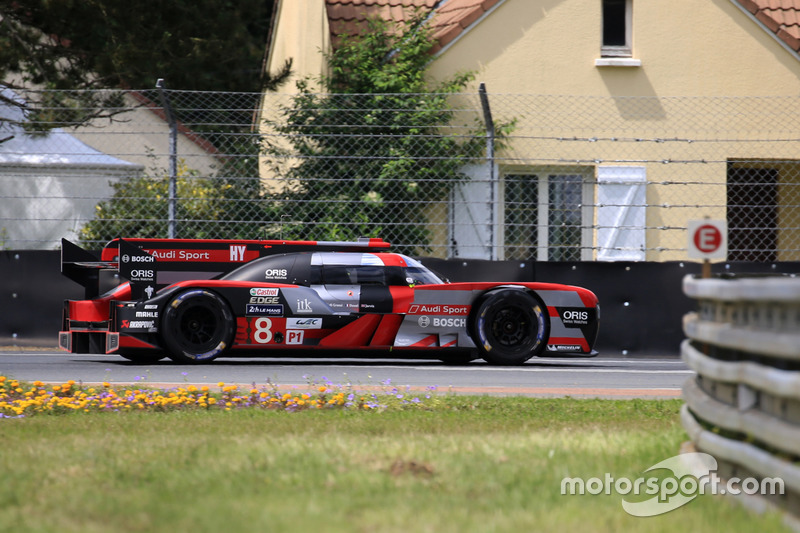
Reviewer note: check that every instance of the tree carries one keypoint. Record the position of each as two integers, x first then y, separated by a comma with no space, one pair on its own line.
72,46
139,207
372,149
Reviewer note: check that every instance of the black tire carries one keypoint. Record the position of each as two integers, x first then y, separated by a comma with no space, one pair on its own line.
197,326
510,326
142,357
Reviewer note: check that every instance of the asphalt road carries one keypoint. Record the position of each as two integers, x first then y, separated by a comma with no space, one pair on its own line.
604,376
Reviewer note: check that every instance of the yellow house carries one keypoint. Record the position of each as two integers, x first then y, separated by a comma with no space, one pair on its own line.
633,117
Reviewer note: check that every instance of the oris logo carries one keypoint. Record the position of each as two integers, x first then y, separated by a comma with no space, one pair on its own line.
142,273
574,317
276,273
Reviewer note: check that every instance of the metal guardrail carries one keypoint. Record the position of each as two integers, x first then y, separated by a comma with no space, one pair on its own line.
743,407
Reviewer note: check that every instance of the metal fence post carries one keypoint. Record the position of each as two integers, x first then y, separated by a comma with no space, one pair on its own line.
173,157
489,122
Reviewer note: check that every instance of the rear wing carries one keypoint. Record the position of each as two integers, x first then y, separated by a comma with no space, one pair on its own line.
151,264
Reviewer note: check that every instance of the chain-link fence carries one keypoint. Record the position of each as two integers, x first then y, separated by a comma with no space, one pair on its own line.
524,177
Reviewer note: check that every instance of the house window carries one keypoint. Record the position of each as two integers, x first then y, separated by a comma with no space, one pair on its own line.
752,214
616,28
548,216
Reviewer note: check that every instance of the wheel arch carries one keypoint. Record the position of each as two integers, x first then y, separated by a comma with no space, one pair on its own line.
487,350
169,312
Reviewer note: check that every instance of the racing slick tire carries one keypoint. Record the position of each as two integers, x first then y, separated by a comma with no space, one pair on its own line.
510,326
197,326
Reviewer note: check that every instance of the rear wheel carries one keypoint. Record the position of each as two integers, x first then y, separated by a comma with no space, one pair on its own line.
197,326
510,326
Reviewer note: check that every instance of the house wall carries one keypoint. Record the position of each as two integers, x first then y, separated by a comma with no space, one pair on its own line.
300,32
688,49
696,60
141,136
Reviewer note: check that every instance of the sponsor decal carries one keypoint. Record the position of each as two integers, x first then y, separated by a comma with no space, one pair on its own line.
142,275
237,253
438,309
137,258
574,316
424,321
450,322
146,314
263,310
138,324
294,336
276,273
181,255
264,291
303,323
564,348
265,300
149,290
151,306
303,306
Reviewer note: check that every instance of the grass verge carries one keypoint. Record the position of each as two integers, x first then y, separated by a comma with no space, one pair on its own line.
456,464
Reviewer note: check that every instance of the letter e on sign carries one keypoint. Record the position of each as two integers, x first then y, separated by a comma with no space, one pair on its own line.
708,239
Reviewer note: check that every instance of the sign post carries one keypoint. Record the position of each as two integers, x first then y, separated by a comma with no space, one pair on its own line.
708,239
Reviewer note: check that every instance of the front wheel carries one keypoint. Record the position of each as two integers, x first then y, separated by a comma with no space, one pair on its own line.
510,326
197,326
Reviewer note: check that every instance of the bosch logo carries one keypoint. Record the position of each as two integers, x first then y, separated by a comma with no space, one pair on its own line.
450,322
575,315
142,259
142,273
276,273
424,321
125,258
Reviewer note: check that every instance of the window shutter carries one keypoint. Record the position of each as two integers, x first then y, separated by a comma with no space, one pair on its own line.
471,215
621,211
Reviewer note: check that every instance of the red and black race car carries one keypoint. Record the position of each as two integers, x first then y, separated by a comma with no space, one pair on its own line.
196,300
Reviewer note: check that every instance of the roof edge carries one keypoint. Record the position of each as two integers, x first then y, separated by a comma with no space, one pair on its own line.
775,34
468,28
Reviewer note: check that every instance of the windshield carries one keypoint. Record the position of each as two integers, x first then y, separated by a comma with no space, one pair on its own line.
419,274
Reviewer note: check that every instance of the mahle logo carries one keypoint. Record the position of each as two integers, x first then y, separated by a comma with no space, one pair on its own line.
670,484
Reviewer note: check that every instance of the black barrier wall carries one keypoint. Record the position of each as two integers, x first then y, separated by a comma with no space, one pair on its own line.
642,304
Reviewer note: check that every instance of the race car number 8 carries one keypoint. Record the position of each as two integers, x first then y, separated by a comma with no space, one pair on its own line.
263,331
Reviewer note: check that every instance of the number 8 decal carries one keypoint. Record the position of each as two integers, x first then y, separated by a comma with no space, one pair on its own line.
263,331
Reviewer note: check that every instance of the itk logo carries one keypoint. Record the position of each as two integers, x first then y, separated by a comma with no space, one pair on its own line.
303,306
670,484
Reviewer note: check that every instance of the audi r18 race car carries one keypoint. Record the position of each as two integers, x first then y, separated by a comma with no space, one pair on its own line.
196,300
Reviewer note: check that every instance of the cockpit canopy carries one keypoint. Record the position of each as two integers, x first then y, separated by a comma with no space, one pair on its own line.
336,268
